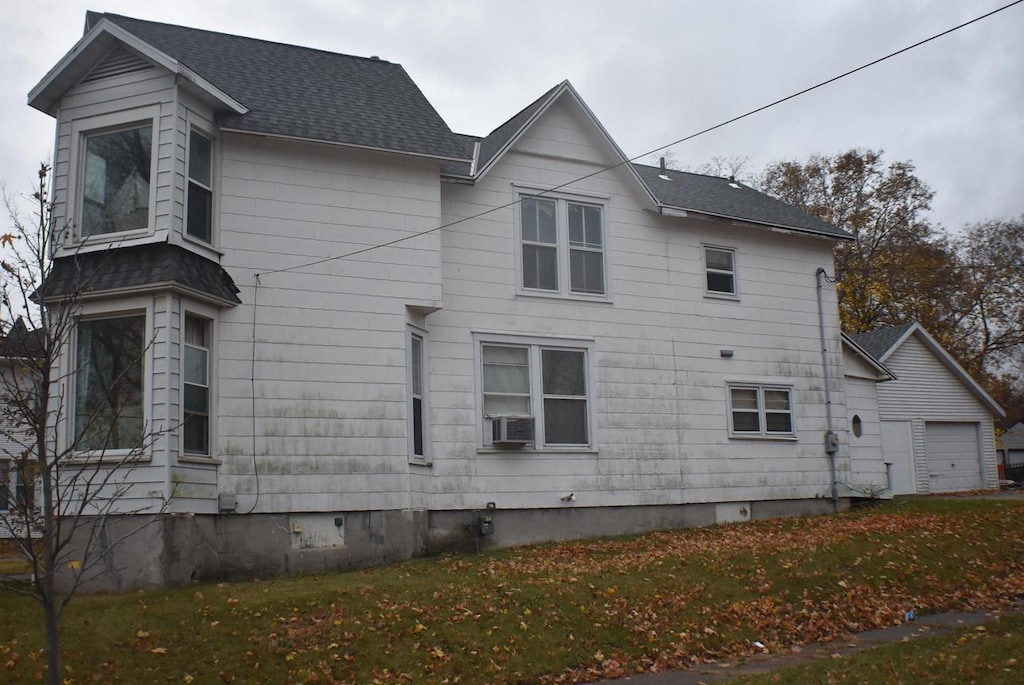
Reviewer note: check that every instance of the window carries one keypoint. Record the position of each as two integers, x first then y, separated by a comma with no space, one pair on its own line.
857,425
760,410
417,397
517,378
196,380
116,181
562,246
109,412
199,221
5,485
720,271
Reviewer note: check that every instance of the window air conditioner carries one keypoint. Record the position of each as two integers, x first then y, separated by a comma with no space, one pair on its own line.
512,430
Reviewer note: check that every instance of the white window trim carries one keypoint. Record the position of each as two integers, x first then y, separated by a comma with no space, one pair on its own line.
535,345
735,295
200,311
562,247
411,331
98,310
81,129
763,434
206,132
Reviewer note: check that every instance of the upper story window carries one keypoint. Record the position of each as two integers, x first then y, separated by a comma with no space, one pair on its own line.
760,411
562,247
116,183
199,220
720,271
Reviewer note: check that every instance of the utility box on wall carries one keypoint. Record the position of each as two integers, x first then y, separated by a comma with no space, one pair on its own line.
317,531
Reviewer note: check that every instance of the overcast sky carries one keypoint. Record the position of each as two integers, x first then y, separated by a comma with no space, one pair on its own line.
651,71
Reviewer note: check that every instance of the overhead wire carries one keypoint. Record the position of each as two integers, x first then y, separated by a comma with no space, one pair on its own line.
684,139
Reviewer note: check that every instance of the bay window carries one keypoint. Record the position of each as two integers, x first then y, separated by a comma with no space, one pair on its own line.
108,403
195,433
116,182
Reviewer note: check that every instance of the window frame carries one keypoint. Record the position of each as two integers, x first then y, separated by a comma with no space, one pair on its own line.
208,324
535,346
81,131
208,188
762,411
417,333
708,271
95,312
563,246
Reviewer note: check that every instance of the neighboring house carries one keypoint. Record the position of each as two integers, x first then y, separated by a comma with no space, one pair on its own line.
18,348
1011,445
937,421
365,337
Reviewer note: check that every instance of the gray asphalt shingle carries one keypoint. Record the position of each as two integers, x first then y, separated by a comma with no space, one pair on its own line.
137,267
877,343
306,93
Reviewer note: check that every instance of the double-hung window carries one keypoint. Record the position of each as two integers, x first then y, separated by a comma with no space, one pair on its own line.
539,381
720,271
116,180
418,443
195,432
562,247
761,411
199,220
109,411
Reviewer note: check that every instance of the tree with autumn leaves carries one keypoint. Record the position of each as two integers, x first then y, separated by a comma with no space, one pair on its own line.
966,289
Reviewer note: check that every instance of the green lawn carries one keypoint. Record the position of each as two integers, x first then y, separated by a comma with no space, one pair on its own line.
556,613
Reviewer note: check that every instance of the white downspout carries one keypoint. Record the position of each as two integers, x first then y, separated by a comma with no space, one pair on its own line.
830,446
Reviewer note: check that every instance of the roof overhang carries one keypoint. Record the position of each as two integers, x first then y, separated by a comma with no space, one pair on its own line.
671,210
884,372
92,47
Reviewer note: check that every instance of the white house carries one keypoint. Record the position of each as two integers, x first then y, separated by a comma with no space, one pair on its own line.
936,421
355,336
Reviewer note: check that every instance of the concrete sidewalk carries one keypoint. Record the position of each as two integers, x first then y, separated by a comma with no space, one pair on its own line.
923,626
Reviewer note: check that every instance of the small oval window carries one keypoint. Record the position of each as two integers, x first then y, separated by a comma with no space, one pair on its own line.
857,425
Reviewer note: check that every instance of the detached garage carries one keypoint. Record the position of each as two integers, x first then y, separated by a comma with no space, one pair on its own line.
936,421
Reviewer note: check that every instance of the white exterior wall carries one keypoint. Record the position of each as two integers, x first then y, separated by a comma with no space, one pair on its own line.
867,466
926,390
658,381
330,351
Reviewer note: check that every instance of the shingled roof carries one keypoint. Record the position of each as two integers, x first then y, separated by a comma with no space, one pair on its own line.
729,199
305,93
155,265
878,343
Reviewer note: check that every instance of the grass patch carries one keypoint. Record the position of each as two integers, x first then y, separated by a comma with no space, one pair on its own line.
985,654
552,613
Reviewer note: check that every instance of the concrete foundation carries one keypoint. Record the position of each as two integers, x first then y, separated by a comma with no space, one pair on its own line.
172,550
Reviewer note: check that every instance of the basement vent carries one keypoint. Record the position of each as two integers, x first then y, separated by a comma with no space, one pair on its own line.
118,62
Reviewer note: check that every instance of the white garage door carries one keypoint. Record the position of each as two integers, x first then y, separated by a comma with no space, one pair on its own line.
954,460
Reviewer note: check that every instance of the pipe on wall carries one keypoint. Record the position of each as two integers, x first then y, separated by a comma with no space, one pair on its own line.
820,276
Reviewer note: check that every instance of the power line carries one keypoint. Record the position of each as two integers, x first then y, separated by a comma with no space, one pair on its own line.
684,139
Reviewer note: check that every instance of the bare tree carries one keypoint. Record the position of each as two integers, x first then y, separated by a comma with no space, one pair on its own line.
77,447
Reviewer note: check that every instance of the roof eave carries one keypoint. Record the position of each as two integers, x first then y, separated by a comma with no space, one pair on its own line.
668,209
91,47
882,369
334,143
